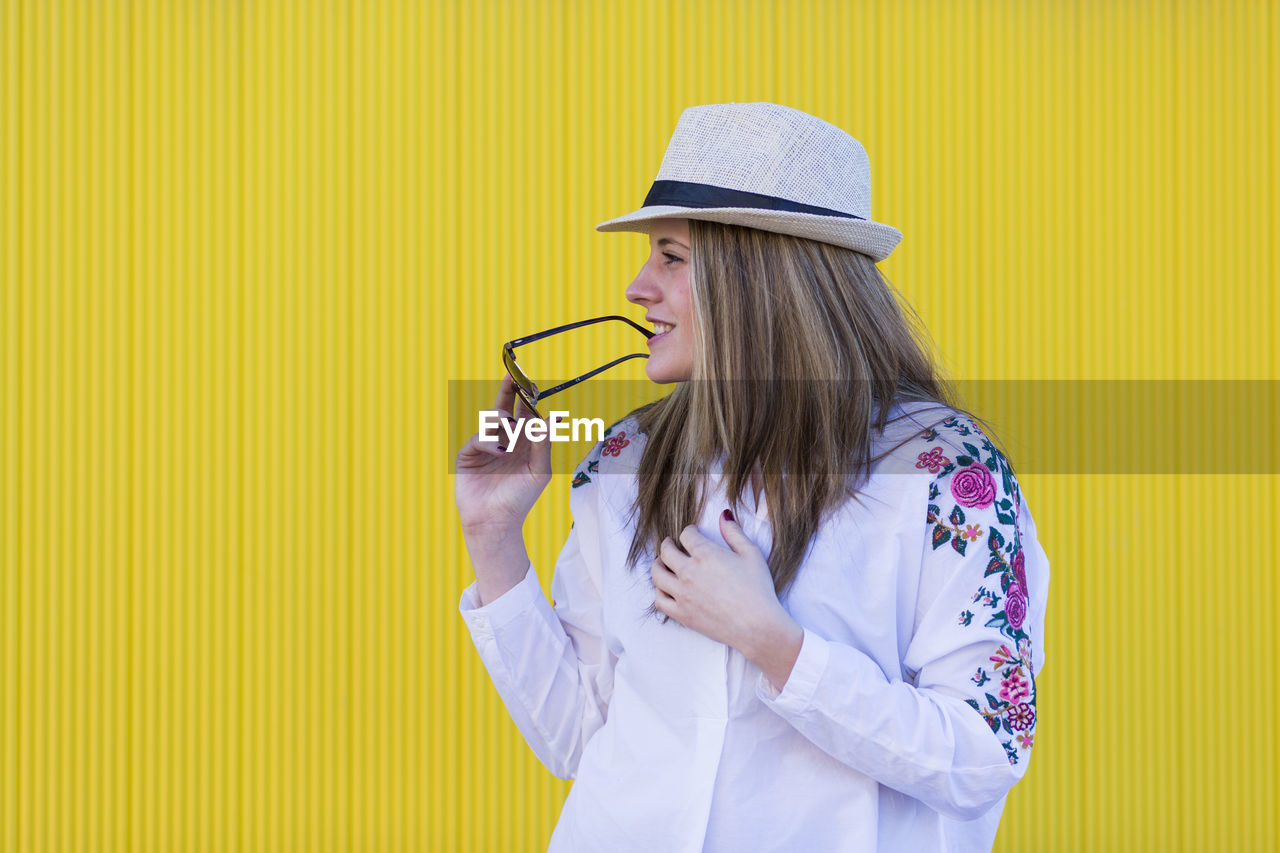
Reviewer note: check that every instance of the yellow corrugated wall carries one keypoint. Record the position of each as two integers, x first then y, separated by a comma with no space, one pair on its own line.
247,245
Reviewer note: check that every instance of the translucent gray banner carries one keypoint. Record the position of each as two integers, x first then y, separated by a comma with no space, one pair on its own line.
1046,426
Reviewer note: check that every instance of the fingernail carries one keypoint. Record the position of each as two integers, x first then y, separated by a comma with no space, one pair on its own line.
502,448
726,515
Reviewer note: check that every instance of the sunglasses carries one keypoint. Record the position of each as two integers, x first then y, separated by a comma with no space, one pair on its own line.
525,387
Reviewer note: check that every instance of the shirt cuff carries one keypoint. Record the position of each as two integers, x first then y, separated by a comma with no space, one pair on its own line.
797,693
485,619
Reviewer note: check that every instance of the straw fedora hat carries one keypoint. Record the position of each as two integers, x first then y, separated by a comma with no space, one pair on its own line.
769,167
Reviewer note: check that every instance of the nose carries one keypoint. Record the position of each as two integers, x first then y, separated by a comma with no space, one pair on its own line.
643,291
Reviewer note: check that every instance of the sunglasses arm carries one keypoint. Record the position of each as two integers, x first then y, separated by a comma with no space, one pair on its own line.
528,339
585,376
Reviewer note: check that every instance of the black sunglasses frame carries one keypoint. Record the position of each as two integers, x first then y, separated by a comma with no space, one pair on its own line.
530,395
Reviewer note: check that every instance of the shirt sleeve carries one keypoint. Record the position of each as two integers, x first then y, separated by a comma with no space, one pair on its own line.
957,733
549,661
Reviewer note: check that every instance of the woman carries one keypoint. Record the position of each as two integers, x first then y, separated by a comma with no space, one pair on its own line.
801,606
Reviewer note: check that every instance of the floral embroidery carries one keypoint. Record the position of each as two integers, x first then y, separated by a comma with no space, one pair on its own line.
1021,717
1003,656
974,486
1024,652
1015,606
956,425
933,460
981,479
986,597
613,447
1015,687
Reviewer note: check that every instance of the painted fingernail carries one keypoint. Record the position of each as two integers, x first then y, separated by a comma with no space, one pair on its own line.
502,448
726,515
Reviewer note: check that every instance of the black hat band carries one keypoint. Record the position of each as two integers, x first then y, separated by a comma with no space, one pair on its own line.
687,194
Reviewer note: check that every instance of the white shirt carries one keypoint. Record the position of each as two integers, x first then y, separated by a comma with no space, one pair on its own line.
882,737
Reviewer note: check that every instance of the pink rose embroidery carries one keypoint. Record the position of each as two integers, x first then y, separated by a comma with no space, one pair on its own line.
933,460
1015,606
974,486
1020,570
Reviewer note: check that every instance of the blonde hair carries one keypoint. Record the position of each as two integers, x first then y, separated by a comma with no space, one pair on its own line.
797,341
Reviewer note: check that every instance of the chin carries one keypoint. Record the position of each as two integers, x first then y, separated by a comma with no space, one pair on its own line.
665,376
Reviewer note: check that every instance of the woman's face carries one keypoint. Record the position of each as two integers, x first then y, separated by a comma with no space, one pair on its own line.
662,287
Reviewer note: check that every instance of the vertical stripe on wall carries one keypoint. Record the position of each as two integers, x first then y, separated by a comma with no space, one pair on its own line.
247,247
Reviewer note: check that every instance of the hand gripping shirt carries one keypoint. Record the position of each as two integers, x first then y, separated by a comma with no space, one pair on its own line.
910,711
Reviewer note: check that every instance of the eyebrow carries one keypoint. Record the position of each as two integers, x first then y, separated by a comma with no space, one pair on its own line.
665,240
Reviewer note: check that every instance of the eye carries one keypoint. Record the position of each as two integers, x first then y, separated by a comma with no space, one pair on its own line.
672,259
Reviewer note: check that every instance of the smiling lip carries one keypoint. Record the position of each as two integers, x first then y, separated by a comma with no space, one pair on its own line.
659,336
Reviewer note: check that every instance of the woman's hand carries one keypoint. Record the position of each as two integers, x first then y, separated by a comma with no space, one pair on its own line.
727,594
496,486
495,489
